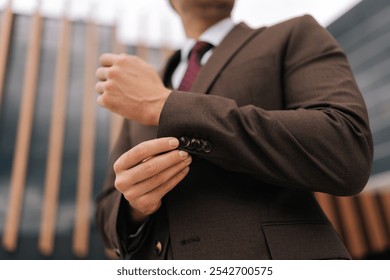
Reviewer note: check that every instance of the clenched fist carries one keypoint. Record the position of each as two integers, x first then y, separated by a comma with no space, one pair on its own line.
131,88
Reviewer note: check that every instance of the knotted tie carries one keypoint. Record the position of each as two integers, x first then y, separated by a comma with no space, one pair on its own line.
194,66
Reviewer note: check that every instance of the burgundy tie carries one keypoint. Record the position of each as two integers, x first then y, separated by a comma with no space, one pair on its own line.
192,71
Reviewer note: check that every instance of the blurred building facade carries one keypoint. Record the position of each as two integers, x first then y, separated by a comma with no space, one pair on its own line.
66,56
37,154
57,165
364,33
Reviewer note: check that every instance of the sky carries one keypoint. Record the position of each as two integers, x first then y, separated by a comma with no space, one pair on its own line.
154,23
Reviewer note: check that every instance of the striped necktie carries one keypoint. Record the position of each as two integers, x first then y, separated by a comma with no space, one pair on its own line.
194,65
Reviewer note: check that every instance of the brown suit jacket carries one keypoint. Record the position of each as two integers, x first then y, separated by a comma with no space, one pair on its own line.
283,118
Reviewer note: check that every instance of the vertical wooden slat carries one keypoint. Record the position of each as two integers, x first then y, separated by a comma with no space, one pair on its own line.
372,222
5,37
56,138
22,147
116,120
384,199
327,205
85,171
352,226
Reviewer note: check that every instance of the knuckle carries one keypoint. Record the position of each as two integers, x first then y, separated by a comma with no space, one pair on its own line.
146,205
150,167
109,85
157,180
103,100
123,183
117,166
154,207
111,73
119,183
141,204
161,178
130,195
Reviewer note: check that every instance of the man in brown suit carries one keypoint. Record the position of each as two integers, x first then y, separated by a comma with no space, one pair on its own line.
227,168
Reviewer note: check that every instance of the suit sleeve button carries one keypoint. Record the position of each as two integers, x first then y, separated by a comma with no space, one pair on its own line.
184,142
158,248
207,147
201,146
195,143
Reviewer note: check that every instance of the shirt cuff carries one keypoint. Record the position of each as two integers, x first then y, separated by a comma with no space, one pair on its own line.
139,230
131,236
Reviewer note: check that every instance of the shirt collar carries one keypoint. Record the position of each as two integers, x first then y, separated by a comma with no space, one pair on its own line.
213,35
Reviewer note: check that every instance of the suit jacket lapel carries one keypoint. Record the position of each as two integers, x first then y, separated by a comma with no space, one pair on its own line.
169,68
237,38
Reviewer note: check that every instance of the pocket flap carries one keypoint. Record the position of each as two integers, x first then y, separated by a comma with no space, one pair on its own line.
303,241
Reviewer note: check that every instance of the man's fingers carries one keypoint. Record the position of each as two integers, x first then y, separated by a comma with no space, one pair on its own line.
170,184
101,73
150,202
144,151
108,59
99,87
154,182
153,166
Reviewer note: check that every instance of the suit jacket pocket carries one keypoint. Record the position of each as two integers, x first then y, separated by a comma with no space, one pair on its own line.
304,241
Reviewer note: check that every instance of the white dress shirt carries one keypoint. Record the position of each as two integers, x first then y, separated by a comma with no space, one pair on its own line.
213,35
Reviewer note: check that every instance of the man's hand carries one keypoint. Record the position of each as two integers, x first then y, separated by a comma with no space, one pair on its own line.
147,172
130,87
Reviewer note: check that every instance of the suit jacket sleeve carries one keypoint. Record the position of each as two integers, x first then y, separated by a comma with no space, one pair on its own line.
319,141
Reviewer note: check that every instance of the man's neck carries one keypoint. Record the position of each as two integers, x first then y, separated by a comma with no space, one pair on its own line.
194,27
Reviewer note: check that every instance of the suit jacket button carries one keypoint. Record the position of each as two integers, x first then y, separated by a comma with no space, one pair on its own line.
184,142
208,147
202,145
195,143
158,248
